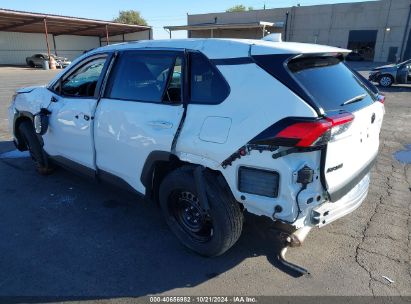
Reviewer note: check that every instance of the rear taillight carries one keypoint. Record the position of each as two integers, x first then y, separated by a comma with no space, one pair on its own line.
308,133
381,98
304,134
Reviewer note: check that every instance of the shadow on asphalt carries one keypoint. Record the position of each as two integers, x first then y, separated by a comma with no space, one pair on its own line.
64,235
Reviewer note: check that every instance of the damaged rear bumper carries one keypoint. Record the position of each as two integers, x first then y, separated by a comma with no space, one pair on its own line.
331,211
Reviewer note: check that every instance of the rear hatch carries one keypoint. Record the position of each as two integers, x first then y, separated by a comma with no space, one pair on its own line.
334,90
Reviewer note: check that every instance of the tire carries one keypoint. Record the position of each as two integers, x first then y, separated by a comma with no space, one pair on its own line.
216,230
33,145
31,64
385,81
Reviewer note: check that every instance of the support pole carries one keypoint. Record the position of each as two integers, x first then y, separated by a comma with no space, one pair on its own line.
107,35
212,33
55,47
404,38
47,37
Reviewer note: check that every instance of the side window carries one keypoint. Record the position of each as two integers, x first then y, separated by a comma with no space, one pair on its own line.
173,94
207,85
83,82
142,77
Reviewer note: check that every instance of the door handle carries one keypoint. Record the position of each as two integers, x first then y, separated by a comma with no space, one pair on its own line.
161,124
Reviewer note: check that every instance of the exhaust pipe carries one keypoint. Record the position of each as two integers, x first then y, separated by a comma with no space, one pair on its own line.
297,238
294,240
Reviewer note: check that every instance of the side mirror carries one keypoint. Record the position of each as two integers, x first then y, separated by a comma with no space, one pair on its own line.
41,121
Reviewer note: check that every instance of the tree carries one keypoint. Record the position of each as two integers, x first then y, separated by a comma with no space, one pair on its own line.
239,8
130,17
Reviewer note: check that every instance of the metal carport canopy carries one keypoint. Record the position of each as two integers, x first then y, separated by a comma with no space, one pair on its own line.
223,26
18,21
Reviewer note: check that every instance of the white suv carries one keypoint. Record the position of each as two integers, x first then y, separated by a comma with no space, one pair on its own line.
210,128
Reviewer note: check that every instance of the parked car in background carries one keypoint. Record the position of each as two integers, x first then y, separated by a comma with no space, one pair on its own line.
37,60
211,128
396,73
354,56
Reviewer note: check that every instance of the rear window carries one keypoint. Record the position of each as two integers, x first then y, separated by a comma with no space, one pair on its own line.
322,81
330,82
207,84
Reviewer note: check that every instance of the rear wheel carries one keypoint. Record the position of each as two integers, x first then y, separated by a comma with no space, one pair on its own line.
31,64
386,81
207,232
33,145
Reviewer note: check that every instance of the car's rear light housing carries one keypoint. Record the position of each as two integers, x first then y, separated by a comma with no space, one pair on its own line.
257,181
305,133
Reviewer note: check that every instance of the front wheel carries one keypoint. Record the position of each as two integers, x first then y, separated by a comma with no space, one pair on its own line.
207,232
386,81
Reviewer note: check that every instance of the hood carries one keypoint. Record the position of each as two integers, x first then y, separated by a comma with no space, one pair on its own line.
28,89
388,66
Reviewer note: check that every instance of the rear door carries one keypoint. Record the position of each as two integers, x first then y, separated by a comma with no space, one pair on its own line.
352,147
139,113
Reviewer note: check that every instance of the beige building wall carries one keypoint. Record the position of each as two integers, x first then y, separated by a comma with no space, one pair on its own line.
323,24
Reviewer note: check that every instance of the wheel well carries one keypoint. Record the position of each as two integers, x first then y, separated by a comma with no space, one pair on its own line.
162,167
158,170
21,144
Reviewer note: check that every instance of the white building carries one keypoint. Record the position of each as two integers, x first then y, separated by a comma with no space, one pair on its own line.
23,34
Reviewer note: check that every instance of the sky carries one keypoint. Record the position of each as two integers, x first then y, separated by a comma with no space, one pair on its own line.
158,13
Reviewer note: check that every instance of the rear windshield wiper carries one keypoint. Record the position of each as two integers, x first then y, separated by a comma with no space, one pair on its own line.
354,99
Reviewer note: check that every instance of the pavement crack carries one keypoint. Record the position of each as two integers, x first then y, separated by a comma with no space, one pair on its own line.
383,255
358,247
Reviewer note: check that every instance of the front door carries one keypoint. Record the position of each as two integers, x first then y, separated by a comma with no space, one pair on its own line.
402,74
70,134
139,113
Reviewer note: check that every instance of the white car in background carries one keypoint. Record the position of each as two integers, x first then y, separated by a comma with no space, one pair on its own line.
37,60
210,128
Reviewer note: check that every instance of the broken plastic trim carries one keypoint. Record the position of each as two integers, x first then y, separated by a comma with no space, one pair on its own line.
245,150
